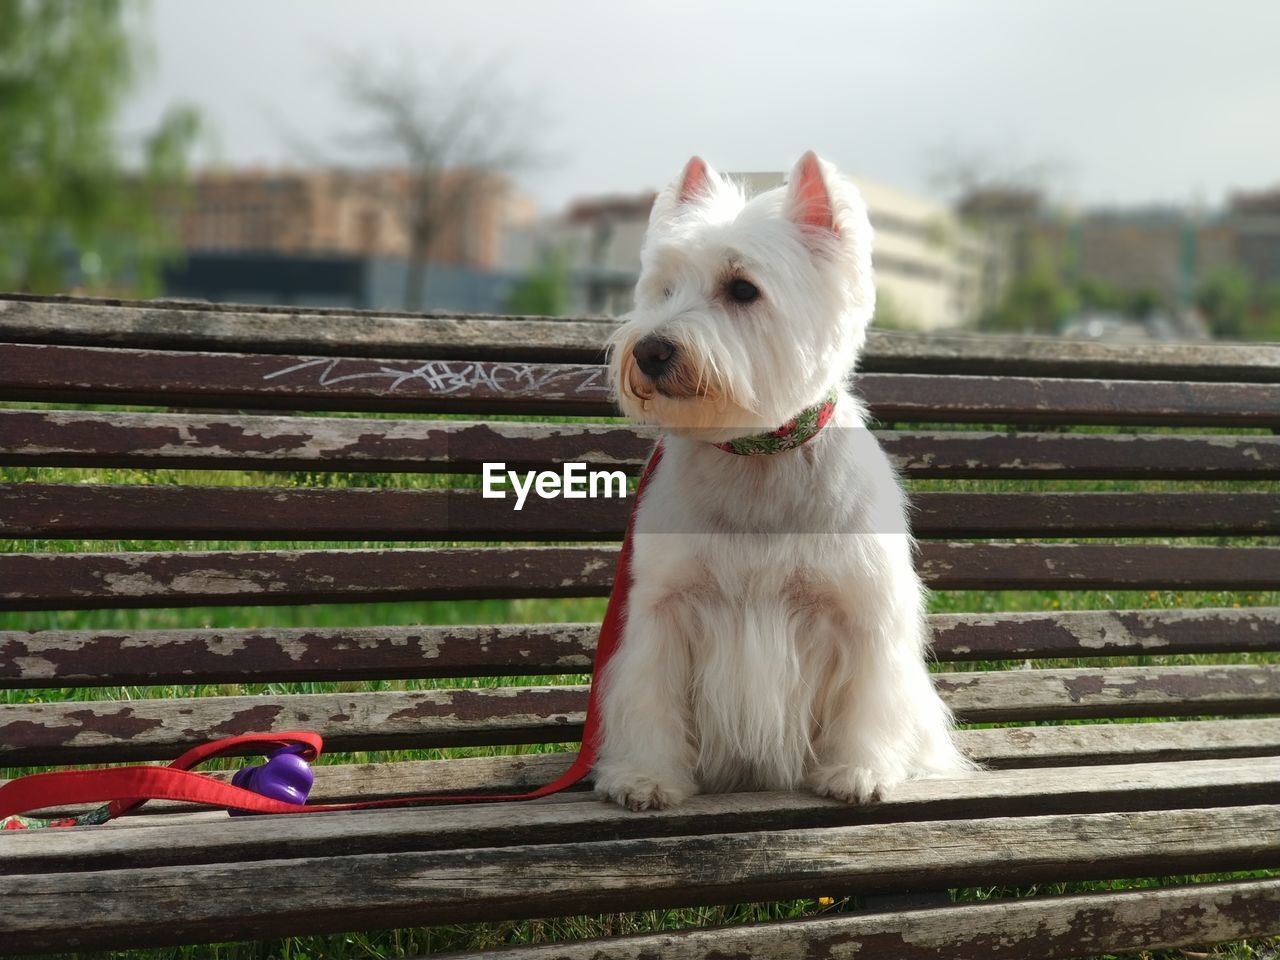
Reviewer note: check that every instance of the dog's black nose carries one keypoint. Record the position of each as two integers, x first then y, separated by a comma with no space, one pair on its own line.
654,356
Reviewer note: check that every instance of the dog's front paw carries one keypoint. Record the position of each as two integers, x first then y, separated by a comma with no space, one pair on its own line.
852,783
637,791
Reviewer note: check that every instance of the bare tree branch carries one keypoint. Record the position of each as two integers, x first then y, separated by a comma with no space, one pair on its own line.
457,135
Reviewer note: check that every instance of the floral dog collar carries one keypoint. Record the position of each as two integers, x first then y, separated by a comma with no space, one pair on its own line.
797,431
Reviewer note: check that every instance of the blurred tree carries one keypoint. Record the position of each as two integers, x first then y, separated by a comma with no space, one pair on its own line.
960,172
458,134
543,292
1096,295
1267,323
65,192
1224,296
890,316
1035,303
1140,304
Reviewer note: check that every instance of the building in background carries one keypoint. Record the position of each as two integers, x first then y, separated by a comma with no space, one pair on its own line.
930,267
339,280
335,238
1156,250
932,270
1251,235
1164,251
348,212
597,241
341,238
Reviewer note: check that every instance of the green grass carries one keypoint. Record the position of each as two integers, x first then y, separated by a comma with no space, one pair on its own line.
405,942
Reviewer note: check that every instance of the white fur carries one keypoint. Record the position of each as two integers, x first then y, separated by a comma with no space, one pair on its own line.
775,637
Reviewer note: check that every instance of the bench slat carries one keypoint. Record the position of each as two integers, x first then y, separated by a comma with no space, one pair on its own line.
59,374
103,731
998,748
86,658
1110,633
1089,743
203,902
185,325
106,731
1027,792
72,581
179,325
78,511
73,438
1046,928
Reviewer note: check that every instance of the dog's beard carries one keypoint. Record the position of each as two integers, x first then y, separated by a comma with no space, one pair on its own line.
689,399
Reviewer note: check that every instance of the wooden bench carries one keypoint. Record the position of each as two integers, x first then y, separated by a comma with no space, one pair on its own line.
1191,790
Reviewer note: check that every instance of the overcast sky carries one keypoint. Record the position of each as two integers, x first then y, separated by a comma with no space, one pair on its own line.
1120,101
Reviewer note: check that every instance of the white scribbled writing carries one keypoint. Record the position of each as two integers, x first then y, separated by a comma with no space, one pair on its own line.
443,377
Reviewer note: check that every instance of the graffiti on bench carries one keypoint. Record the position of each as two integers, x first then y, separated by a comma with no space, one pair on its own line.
444,377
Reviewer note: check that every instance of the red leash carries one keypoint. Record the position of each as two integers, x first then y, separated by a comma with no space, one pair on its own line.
127,788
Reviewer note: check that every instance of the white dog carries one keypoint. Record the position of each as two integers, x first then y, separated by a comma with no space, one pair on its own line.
775,636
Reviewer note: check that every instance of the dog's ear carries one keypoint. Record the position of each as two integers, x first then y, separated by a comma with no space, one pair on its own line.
809,197
692,184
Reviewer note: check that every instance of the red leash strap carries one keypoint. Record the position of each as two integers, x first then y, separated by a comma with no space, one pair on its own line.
127,788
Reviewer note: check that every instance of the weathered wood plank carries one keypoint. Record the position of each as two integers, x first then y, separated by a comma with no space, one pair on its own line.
79,511
124,730
141,907
86,658
63,374
998,748
179,325
80,581
1020,566
85,438
194,325
248,655
1080,692
80,731
348,782
71,581
1090,743
964,454
915,398
1046,928
1029,792
105,375
1044,514
74,438
1103,633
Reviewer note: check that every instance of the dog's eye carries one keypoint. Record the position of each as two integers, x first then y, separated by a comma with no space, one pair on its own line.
666,293
743,291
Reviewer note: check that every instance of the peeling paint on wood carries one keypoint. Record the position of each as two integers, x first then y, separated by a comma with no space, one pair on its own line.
111,580
392,720
87,438
1099,633
80,511
96,658
246,655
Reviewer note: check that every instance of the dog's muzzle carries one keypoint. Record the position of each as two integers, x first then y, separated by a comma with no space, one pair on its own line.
654,356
